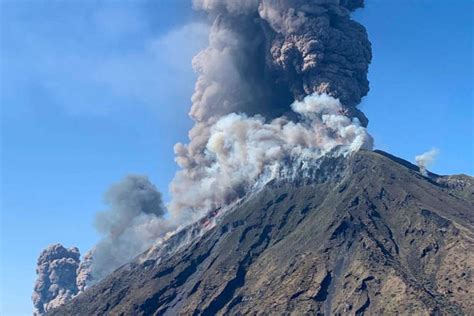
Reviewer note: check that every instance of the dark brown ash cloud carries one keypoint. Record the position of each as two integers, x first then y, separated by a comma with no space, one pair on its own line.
297,46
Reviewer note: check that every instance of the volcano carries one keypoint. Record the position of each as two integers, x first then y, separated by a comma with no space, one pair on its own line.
368,235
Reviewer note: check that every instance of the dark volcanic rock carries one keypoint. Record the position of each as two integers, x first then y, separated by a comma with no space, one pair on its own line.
376,238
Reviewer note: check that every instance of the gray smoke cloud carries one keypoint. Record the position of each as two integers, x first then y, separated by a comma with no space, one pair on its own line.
56,281
130,225
425,159
133,222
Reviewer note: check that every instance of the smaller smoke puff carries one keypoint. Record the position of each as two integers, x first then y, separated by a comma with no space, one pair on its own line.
426,159
132,223
56,282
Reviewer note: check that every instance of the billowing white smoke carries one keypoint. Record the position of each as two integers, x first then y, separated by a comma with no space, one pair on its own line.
241,149
426,159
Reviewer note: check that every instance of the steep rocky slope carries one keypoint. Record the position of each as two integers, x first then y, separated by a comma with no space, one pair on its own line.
369,235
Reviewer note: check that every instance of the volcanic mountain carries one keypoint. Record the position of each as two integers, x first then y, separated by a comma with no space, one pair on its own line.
367,234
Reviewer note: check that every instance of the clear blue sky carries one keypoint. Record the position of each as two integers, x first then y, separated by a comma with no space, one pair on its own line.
93,90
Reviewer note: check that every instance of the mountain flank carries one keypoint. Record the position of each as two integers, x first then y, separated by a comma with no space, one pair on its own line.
369,235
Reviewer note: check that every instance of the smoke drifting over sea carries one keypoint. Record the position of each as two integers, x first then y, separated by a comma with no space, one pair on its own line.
280,81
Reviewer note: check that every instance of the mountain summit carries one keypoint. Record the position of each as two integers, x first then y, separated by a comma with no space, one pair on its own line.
369,235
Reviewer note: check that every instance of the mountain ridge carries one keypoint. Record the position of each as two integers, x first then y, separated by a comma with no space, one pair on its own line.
374,236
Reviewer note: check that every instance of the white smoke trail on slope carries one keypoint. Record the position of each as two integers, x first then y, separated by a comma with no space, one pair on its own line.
245,153
426,159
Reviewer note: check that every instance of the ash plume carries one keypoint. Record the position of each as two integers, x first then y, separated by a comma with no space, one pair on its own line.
265,58
426,159
298,46
133,221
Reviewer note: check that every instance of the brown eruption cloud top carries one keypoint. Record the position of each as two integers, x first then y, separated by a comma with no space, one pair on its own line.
263,54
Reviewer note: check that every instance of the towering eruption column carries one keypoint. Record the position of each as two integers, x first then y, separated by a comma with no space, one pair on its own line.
262,56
